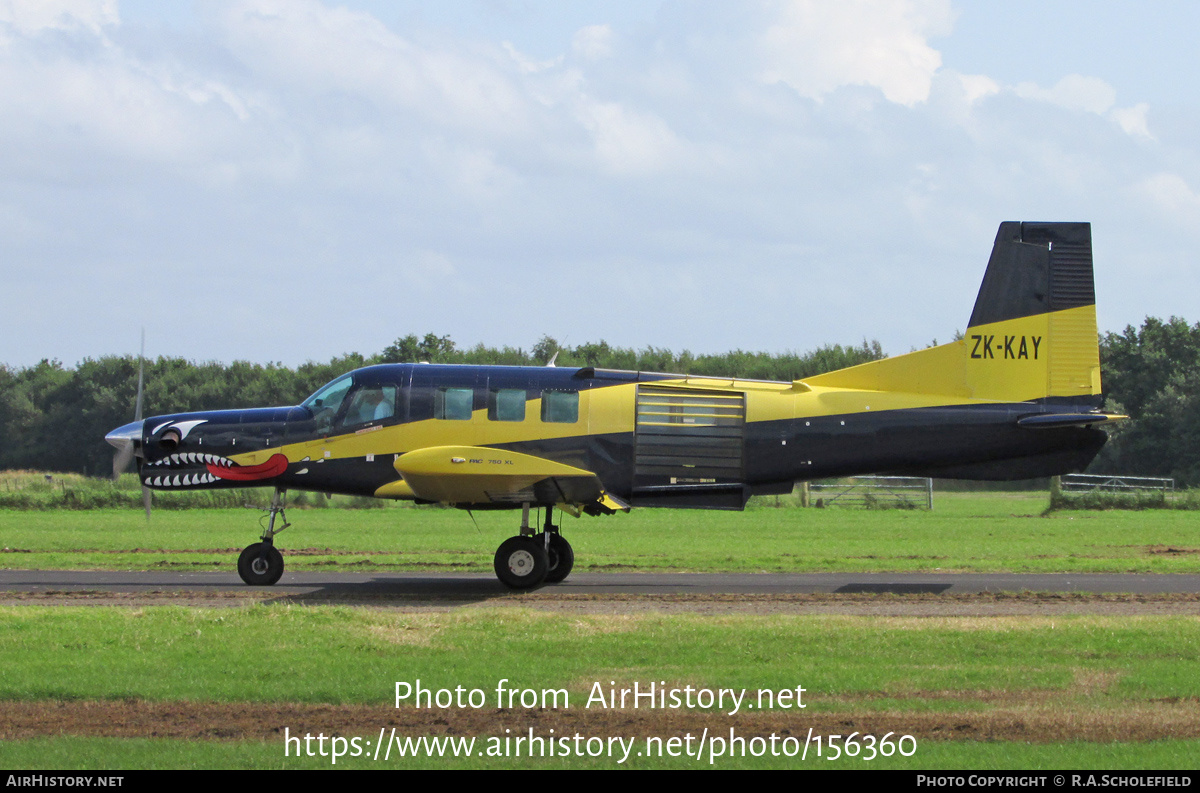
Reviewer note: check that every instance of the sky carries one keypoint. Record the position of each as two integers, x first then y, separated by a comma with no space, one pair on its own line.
289,180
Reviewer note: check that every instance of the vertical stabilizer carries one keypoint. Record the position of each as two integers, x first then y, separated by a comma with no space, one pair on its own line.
1036,268
1032,335
1033,332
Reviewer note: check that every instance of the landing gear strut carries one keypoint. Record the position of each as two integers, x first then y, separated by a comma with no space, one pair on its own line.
261,564
530,559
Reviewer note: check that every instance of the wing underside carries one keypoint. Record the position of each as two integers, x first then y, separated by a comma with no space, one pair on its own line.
466,475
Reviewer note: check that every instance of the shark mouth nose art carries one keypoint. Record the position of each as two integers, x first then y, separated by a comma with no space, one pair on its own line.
216,469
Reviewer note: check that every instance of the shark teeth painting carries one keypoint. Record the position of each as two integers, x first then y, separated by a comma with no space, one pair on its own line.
216,468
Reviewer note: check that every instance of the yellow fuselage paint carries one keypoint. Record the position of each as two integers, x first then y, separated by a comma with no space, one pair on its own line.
1017,360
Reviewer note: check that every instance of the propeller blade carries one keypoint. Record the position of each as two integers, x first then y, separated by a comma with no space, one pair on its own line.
121,460
137,411
126,439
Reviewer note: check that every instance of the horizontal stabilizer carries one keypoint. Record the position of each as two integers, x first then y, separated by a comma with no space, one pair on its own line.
1048,421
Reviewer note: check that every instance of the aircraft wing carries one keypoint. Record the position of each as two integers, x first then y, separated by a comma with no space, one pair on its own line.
482,475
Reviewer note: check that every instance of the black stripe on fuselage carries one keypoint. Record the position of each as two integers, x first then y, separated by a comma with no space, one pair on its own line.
935,441
961,441
964,441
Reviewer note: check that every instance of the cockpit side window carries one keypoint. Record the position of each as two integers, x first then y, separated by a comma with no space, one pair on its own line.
370,403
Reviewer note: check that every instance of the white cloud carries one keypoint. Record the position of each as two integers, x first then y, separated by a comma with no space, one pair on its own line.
816,47
978,86
1091,95
627,141
314,50
1133,120
593,42
1073,92
100,103
31,16
1172,195
472,172
528,65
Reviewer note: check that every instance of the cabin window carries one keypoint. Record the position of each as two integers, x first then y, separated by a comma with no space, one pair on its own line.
506,404
560,407
452,403
371,403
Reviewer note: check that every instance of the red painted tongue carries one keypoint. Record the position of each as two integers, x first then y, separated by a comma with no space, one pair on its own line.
247,473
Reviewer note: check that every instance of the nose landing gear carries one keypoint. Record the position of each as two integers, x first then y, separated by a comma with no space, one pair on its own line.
261,564
529,560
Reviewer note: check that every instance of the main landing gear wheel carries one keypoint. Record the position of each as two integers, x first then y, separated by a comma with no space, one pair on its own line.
561,555
260,564
521,562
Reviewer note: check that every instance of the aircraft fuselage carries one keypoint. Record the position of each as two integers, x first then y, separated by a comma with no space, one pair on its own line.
653,439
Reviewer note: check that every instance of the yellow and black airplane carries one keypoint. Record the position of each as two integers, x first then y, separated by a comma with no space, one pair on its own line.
1017,397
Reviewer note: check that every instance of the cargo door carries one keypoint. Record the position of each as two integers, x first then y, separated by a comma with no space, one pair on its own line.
688,437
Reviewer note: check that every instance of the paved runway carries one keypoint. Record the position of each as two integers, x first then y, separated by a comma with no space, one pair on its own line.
483,585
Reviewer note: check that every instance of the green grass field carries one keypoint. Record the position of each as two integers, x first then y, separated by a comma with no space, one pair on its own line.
964,532
1046,692
1095,676
847,662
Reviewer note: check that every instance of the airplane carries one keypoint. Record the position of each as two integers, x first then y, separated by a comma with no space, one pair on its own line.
1018,396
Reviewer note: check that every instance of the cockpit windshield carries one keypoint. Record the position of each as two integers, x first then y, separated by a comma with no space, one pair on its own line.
325,403
329,397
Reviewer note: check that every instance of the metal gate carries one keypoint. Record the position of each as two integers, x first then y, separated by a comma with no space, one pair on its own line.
688,436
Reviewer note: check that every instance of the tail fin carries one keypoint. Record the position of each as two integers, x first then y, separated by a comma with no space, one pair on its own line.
1033,331
1032,335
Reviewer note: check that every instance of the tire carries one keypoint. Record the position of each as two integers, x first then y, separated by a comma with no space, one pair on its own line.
521,563
561,557
256,570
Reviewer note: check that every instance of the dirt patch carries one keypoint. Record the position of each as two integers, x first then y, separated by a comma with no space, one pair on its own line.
983,605
1170,550
267,722
226,551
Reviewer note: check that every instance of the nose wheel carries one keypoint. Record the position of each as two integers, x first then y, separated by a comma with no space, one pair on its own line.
261,564
529,560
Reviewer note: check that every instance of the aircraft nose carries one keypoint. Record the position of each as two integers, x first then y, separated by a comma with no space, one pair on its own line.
126,436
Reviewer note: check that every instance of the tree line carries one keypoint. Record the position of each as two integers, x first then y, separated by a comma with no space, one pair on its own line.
1152,374
54,417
